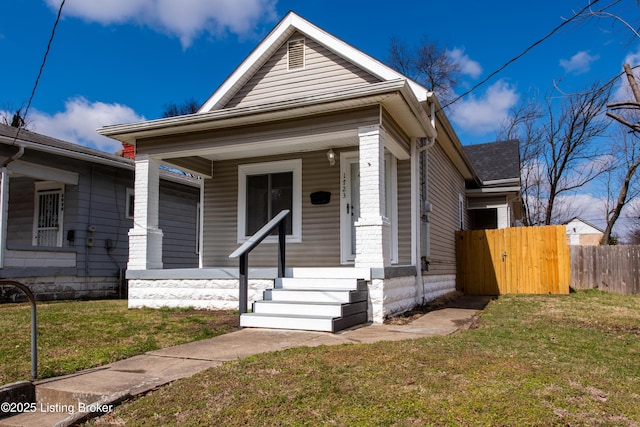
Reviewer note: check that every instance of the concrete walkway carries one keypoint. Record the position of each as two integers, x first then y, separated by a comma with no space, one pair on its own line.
63,401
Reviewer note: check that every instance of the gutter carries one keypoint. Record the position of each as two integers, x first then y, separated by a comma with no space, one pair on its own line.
15,157
324,102
117,162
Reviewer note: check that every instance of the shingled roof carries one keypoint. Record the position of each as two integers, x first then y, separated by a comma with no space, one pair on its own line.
495,161
8,133
47,144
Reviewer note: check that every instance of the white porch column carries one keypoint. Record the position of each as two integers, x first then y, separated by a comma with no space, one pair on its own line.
373,230
145,238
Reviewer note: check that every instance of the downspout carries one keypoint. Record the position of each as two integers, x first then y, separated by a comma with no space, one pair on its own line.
4,201
422,229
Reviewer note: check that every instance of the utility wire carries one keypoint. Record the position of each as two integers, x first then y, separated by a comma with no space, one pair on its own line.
44,60
524,52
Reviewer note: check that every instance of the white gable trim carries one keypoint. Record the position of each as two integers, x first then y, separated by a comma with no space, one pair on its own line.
289,24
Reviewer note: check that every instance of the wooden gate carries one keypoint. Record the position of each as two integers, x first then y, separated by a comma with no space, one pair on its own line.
520,260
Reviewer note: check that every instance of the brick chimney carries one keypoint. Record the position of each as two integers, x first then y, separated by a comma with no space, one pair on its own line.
128,151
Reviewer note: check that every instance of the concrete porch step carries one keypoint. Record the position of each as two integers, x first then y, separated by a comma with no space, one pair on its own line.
315,295
329,273
295,308
318,283
310,323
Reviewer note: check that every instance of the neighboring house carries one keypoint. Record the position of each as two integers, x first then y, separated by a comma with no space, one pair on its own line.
496,202
307,115
65,211
582,233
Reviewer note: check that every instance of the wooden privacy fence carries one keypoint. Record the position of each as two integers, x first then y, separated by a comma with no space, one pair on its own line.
608,268
525,260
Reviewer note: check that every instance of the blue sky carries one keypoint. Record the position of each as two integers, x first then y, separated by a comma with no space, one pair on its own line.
120,61
123,60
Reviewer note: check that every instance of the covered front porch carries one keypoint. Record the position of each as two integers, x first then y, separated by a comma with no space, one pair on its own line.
348,170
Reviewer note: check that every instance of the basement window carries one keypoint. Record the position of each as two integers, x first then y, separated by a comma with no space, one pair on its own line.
295,54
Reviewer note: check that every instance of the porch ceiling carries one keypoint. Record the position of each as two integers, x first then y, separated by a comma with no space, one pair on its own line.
282,145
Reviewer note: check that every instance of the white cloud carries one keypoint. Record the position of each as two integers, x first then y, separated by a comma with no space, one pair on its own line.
589,207
185,19
623,91
487,113
79,121
579,63
467,65
633,58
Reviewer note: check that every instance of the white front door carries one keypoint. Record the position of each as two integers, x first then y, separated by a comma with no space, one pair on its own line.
350,204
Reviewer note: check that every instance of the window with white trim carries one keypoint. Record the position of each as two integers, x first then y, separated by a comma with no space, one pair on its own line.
264,189
48,213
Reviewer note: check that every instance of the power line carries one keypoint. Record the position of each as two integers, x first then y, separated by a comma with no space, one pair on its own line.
44,60
524,52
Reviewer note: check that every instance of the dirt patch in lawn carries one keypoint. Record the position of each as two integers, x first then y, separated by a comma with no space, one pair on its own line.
419,311
215,320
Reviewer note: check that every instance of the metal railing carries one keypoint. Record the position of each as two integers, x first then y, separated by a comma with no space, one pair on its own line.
279,221
34,323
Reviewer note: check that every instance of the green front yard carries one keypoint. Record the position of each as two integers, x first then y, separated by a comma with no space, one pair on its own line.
532,360
82,334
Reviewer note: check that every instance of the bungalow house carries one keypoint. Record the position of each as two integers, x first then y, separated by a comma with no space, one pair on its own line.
65,211
364,159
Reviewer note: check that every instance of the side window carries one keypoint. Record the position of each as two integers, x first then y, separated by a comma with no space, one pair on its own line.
48,214
129,209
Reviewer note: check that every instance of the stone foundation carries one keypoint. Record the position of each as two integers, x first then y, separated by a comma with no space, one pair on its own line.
394,296
215,294
62,288
392,291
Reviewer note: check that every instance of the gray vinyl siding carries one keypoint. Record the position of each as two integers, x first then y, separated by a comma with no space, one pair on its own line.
20,215
445,186
344,121
178,216
404,212
323,71
320,244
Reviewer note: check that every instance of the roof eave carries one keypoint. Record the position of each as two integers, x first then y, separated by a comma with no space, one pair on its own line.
495,190
119,162
325,102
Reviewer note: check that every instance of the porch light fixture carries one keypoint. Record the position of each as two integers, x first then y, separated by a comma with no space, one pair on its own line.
331,156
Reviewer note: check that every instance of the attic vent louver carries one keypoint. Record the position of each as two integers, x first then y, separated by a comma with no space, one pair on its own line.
296,54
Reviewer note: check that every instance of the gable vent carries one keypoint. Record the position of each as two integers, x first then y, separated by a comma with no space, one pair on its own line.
296,54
